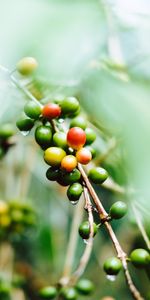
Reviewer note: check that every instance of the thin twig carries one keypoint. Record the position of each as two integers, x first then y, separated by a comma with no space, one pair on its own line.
89,243
24,90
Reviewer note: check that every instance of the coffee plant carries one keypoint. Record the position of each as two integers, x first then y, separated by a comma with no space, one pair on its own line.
71,224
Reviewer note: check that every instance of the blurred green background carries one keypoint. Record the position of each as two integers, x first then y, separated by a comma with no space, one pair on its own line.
98,51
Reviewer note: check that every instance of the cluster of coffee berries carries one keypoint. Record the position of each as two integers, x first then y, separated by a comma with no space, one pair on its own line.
6,133
63,149
15,217
84,287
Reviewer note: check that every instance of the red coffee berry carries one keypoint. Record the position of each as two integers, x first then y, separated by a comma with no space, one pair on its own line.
51,111
76,138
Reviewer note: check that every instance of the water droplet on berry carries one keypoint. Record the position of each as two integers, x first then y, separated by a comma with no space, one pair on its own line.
60,121
111,277
24,133
73,202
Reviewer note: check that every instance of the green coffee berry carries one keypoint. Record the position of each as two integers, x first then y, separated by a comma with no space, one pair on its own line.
112,266
90,136
72,177
98,175
68,293
140,258
60,139
85,287
48,292
32,110
69,105
118,210
84,230
74,191
25,124
79,121
43,136
53,173
6,131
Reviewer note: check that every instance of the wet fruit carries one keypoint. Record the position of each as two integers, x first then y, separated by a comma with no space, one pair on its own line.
112,266
84,229
53,156
98,175
76,138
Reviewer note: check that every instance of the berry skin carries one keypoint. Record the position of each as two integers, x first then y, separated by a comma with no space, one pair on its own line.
69,162
60,139
84,230
6,131
140,258
112,266
53,156
69,105
32,110
48,292
98,175
92,150
74,191
83,156
85,287
25,124
68,293
53,173
72,177
118,210
90,136
43,136
27,65
76,138
79,121
51,111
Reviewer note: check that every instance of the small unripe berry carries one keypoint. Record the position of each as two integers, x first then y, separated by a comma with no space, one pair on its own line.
140,258
72,177
27,65
98,175
53,156
51,111
69,162
74,191
53,173
6,131
83,156
84,230
25,124
60,139
118,210
69,105
90,135
68,293
76,138
85,287
79,121
48,292
32,110
43,136
112,266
